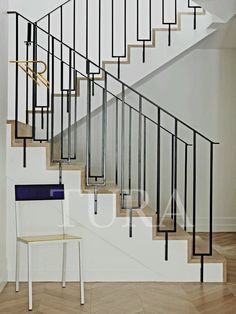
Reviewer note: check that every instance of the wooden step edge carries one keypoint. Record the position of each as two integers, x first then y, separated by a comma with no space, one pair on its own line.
216,258
144,211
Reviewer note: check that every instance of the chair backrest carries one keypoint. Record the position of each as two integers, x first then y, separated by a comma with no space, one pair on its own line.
39,192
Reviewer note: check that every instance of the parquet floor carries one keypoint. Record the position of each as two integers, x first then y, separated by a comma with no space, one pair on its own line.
132,298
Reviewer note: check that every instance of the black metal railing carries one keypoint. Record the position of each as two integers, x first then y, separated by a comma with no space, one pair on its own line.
118,18
139,128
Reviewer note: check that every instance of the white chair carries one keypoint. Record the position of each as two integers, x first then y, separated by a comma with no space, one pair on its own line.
42,193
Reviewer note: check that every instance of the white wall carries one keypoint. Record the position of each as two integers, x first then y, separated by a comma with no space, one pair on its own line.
34,9
3,117
200,89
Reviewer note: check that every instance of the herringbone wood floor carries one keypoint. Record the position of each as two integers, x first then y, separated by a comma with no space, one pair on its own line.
132,298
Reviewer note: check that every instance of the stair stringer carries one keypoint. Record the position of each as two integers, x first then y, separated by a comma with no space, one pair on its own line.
140,258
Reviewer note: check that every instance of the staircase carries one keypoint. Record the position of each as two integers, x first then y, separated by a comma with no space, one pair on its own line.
138,164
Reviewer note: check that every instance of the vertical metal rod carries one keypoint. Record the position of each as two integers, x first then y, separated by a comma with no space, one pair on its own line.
27,85
34,84
195,18
42,119
62,65
99,35
122,145
144,52
166,246
185,186
194,192
130,149
158,197
88,126
104,128
211,199
74,44
130,223
117,139
29,31
144,157
69,106
95,200
112,28
118,68
169,35
202,269
93,85
175,174
48,75
172,174
17,77
52,103
60,172
139,152
62,126
87,34
75,125
24,152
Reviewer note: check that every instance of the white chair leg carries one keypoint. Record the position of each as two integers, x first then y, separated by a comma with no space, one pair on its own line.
17,265
64,265
81,273
30,279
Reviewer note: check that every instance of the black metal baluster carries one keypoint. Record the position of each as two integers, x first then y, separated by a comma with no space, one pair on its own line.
122,144
75,118
69,105
168,23
202,269
28,43
42,121
52,102
166,246
131,222
116,140
104,129
48,75
24,153
34,84
112,36
149,37
88,123
185,186
130,151
194,7
158,197
140,152
175,174
17,77
172,173
144,157
62,125
194,192
211,199
60,172
61,31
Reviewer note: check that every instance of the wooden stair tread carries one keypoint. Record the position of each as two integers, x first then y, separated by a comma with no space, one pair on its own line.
141,212
202,246
106,189
168,224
